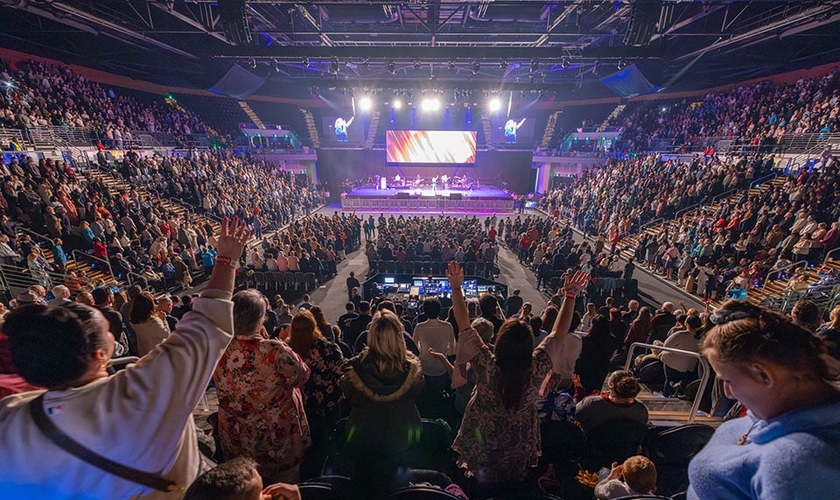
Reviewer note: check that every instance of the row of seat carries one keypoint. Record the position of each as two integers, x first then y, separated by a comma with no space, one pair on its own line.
427,267
275,280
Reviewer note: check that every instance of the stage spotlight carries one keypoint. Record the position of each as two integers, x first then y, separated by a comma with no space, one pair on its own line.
334,65
495,104
476,67
366,62
503,64
365,103
392,68
306,61
252,64
451,65
535,65
416,64
397,104
430,104
276,65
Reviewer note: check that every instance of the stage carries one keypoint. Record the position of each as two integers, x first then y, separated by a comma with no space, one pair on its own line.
425,199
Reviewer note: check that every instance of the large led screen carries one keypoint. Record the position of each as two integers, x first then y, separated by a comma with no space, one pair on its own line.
430,146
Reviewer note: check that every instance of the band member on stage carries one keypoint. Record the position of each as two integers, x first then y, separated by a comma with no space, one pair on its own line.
434,184
397,180
445,181
418,181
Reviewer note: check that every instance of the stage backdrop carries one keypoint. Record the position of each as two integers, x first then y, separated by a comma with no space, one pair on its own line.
509,169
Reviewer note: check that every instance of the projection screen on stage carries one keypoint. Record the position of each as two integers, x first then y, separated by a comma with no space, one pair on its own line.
430,146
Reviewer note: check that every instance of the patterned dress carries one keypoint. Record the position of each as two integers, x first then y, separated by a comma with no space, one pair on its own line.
260,406
495,445
321,394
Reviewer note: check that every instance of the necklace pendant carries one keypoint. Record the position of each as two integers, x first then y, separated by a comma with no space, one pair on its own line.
742,440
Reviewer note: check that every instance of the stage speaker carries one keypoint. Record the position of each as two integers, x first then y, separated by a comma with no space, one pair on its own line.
234,22
456,196
644,16
403,196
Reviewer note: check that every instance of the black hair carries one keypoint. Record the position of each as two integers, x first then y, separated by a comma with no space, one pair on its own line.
53,346
514,351
231,480
432,308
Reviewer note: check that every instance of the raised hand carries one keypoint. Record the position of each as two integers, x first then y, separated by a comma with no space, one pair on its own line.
574,285
455,274
233,238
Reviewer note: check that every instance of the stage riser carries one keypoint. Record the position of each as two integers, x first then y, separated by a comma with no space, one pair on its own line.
428,204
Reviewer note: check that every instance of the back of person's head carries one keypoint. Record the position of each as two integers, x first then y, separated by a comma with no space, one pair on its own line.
514,349
745,333
639,474
488,304
386,343
536,324
549,317
364,307
142,308
386,305
615,314
484,329
693,322
349,307
133,291
186,299
432,308
806,314
304,333
668,307
102,295
681,318
236,479
623,384
600,325
318,314
633,305
54,346
248,312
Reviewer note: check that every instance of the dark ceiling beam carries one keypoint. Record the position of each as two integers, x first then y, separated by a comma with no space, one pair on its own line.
704,12
432,53
190,21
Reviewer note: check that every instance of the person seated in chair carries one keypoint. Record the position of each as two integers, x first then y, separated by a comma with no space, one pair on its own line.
238,479
617,403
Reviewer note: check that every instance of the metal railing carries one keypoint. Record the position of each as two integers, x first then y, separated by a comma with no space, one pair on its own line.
704,376
80,256
724,195
777,272
757,183
39,236
830,253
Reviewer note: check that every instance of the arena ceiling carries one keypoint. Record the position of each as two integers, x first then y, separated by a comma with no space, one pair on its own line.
562,46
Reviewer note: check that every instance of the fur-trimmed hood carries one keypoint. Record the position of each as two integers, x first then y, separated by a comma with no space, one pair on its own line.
360,375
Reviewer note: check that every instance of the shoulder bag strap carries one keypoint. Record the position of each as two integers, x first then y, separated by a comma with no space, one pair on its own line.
65,442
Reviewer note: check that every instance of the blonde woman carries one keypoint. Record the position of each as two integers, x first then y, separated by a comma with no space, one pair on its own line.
381,384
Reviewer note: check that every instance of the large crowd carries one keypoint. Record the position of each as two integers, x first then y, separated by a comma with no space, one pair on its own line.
753,115
491,398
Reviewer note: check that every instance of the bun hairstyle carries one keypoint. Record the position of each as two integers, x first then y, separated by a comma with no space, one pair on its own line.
743,333
53,346
624,384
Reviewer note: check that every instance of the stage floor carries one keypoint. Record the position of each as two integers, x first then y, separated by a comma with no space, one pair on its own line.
482,192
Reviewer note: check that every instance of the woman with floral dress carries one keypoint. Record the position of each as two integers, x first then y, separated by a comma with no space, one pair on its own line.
321,393
258,382
499,438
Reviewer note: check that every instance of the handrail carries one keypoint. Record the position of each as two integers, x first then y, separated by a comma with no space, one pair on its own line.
684,211
785,268
651,223
704,378
89,256
129,274
825,261
33,233
761,180
724,195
